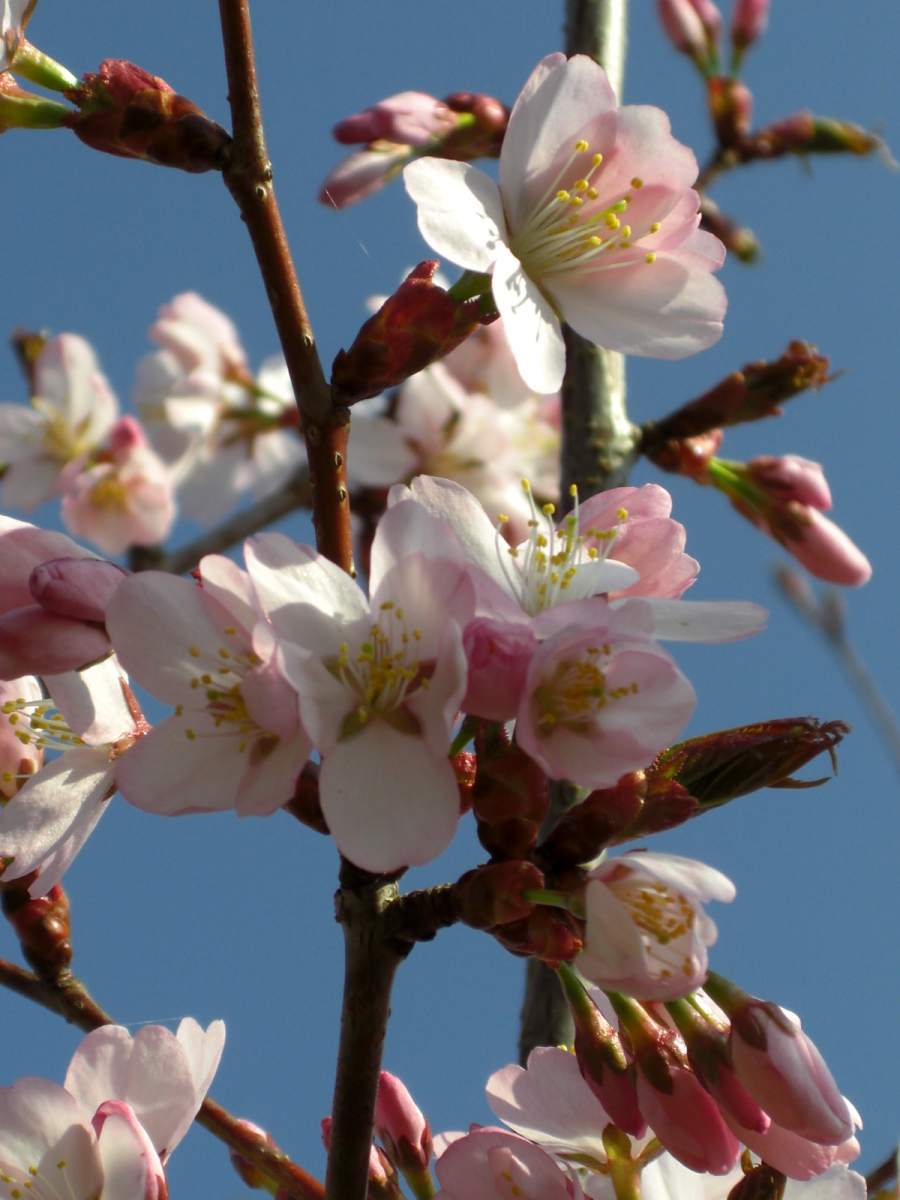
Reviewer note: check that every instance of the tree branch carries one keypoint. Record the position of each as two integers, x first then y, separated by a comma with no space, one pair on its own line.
599,446
69,998
248,175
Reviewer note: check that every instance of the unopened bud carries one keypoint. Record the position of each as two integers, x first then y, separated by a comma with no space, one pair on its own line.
683,27
552,935
495,894
510,797
126,111
806,133
731,108
480,127
718,767
748,23
78,588
596,822
42,926
737,239
401,1125
36,642
464,766
251,1174
408,118
417,325
790,477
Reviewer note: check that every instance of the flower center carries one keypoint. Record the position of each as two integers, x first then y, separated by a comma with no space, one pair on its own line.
543,568
664,917
383,670
39,723
109,492
219,696
50,1181
572,225
576,692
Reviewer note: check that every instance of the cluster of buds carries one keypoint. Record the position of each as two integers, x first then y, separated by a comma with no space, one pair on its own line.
464,126
42,927
417,325
694,26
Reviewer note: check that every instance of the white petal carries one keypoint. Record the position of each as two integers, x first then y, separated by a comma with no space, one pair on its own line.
705,620
531,325
460,213
92,701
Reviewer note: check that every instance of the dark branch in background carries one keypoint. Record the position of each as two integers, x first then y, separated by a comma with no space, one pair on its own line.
68,997
248,175
599,447
295,493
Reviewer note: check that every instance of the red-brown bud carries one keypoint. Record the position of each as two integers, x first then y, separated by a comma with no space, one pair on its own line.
738,239
483,137
42,927
805,133
464,766
550,934
304,804
417,325
510,797
597,821
731,108
126,111
495,894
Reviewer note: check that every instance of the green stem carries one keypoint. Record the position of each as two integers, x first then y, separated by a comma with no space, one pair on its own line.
32,64
32,112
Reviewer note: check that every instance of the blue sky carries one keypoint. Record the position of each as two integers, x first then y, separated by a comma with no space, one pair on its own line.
213,917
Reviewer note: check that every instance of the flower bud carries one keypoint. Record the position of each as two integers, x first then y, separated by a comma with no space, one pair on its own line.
749,22
401,1126
718,767
360,174
510,797
550,934
731,108
417,325
126,111
36,642
42,927
592,825
821,546
781,1067
251,1174
738,239
806,133
465,766
683,27
791,477
495,893
408,118
78,588
498,654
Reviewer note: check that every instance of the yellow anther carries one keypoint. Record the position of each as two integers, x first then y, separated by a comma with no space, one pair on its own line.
581,145
548,509
595,241
656,227
626,231
562,195
503,518
573,489
526,487
650,258
622,514
190,734
581,185
576,201
597,159
194,651
592,193
229,629
612,221
637,183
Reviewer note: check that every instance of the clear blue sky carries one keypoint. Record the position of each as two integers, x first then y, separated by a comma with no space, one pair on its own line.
213,917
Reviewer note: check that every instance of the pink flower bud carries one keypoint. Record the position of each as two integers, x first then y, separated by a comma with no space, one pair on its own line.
409,118
682,23
250,1174
78,588
687,1121
361,174
35,642
711,18
791,478
400,1125
749,23
126,435
824,549
498,655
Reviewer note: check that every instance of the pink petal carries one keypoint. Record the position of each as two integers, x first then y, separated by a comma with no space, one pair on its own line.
167,772
388,801
460,213
36,642
41,1125
93,702
131,1167
22,548
531,324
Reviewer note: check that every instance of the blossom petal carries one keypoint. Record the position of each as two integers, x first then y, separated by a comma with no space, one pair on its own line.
388,801
460,213
131,1166
531,325
170,772
41,1125
705,620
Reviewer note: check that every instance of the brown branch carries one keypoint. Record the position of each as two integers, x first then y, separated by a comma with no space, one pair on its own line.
883,1174
295,493
248,175
69,998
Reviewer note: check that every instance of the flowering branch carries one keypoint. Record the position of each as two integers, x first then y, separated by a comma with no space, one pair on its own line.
248,176
599,446
293,494
68,997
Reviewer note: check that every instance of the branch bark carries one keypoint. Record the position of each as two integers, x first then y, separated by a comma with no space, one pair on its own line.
68,997
248,175
599,447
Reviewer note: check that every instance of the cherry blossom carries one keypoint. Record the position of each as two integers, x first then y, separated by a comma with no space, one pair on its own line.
491,1164
123,496
71,413
234,739
381,682
19,757
594,223
667,1179
647,933
409,118
221,430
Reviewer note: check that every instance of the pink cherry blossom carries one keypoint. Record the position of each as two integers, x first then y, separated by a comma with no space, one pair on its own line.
400,1124
667,1179
594,223
795,1156
647,934
54,812
749,22
123,497
234,739
484,363
220,430
71,413
162,1076
381,682
19,757
791,477
408,118
823,548
491,1164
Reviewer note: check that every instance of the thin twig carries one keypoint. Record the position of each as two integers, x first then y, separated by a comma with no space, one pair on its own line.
883,1174
69,998
599,446
248,175
295,493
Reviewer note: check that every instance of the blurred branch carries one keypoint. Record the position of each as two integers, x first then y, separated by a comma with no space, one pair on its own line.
829,618
884,1173
248,176
295,493
69,998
